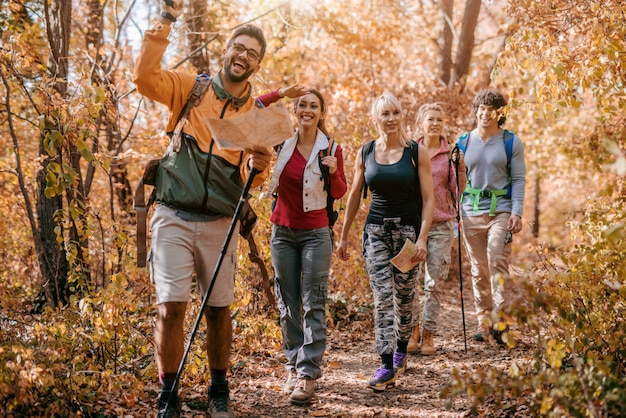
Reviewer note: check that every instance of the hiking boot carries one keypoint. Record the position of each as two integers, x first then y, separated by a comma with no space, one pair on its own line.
304,391
218,401
399,362
173,410
428,345
414,340
483,334
290,383
382,379
497,335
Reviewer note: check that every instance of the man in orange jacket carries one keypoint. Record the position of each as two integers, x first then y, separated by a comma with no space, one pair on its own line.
188,229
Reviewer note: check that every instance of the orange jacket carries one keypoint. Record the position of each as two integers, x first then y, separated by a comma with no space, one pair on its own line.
172,88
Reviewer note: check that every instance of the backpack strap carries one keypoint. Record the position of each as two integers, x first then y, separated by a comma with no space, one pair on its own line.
332,148
148,177
476,194
365,152
508,149
278,148
462,142
418,198
196,94
330,210
150,171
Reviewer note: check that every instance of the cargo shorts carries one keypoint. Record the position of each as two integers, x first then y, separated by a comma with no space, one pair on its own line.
179,248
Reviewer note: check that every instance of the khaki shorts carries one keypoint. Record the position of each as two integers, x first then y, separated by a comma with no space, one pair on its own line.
179,247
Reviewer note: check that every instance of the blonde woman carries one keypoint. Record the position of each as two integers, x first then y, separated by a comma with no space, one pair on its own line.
397,171
430,121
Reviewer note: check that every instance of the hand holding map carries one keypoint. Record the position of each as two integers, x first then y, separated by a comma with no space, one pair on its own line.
402,261
265,127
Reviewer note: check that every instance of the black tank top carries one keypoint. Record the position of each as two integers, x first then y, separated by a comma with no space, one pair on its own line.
393,189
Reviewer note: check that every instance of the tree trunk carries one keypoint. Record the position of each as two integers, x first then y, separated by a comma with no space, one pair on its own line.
78,230
466,42
53,264
108,126
198,35
536,211
445,39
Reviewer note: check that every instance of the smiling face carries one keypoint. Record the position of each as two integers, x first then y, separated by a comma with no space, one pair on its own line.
486,116
309,111
389,119
432,124
241,58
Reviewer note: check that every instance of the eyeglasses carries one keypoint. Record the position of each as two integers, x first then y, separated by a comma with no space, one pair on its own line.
240,49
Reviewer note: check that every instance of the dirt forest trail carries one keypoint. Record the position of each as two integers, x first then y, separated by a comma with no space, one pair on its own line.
350,360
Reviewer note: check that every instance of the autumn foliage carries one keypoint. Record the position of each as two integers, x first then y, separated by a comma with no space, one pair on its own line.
76,314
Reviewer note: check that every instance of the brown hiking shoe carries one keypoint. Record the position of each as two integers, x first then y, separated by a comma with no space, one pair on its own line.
414,340
428,345
304,391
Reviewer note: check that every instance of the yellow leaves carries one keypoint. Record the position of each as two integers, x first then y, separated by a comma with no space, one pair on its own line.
52,142
555,353
514,370
119,281
546,404
559,70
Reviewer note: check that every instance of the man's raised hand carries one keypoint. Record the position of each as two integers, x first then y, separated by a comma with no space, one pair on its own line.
173,7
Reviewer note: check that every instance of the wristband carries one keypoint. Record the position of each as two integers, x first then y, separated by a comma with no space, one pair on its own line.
168,16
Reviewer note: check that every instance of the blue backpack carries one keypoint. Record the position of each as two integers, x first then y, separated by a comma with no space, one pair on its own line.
476,194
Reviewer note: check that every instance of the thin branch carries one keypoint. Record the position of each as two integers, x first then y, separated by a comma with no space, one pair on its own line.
18,164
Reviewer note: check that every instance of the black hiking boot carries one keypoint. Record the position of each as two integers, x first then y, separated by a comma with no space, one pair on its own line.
497,335
173,411
218,401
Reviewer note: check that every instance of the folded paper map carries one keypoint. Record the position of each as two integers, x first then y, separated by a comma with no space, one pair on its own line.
402,261
266,127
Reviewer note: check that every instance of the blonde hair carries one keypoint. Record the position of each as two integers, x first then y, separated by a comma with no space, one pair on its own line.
388,99
423,110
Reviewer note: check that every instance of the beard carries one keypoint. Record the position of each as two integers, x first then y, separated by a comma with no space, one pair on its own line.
236,78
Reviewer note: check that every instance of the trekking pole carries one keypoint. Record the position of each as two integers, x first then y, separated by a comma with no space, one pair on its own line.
218,265
458,223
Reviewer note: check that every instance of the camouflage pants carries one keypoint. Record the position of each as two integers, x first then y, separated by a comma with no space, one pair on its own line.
393,290
439,245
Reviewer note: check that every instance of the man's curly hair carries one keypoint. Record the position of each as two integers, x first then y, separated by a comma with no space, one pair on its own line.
490,97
